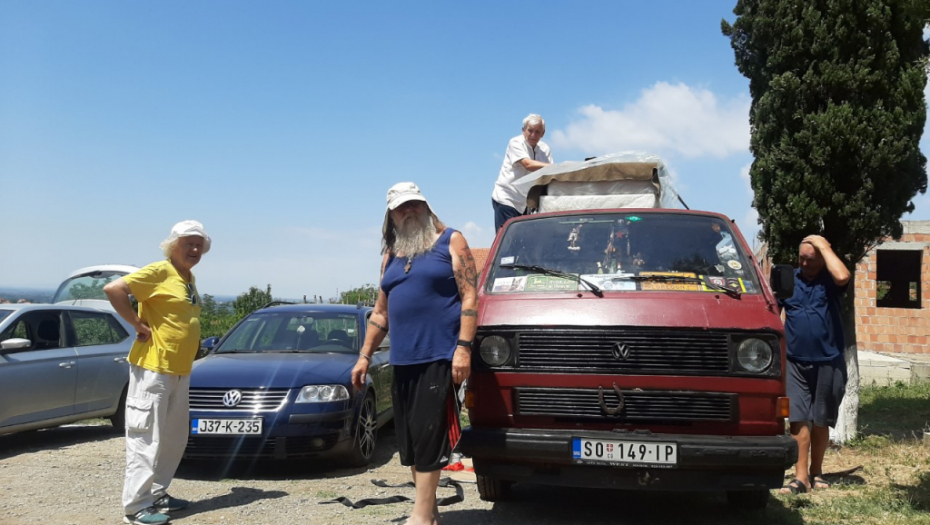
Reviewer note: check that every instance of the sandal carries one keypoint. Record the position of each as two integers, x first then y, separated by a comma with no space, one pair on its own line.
794,487
818,483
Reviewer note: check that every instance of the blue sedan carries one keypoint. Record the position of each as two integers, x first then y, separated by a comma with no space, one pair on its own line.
278,385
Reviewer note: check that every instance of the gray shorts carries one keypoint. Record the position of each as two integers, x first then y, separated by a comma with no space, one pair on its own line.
816,391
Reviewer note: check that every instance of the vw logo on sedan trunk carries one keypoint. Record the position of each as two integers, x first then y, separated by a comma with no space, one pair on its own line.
232,398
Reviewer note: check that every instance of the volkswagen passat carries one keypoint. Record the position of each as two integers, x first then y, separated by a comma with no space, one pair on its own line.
278,385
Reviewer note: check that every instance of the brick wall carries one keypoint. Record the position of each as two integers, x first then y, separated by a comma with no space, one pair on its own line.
897,330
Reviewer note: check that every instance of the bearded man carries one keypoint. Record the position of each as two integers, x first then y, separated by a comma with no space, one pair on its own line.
429,299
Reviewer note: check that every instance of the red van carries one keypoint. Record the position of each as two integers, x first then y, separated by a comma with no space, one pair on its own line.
628,348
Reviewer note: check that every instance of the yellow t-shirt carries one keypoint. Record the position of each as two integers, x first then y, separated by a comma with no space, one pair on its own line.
166,305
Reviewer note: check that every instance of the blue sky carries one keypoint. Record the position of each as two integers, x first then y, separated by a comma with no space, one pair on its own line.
280,125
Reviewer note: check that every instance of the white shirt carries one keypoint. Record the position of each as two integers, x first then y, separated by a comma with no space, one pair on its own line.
511,170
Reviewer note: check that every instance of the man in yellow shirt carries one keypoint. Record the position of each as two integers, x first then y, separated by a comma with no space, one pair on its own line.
167,338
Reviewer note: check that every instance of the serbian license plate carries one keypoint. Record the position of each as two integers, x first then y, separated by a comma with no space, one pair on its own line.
226,426
623,453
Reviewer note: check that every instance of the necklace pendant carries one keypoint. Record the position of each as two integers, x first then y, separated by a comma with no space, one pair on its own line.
407,266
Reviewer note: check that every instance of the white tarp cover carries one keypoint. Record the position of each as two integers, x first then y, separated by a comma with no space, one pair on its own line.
619,180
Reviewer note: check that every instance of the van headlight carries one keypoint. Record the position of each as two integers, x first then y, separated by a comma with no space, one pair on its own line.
754,355
495,350
322,394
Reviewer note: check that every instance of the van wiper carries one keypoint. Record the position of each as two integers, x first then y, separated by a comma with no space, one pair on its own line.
556,273
680,279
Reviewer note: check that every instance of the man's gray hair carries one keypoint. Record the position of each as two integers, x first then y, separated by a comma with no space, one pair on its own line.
532,119
167,246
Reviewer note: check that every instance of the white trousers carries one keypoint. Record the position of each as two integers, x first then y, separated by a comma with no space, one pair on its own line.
157,414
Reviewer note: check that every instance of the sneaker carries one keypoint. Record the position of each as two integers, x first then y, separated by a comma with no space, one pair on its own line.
167,504
149,516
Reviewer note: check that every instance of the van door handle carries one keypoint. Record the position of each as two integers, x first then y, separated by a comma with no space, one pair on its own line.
66,365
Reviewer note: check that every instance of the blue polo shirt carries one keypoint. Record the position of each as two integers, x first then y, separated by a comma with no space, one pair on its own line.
813,327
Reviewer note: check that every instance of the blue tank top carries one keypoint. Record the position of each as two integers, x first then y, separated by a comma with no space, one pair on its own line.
424,307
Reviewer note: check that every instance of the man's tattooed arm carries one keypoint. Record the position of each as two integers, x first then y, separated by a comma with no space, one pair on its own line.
376,325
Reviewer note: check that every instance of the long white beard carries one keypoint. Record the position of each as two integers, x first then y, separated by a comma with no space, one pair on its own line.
414,236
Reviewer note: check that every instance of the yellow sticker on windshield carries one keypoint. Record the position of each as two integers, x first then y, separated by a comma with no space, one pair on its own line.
670,286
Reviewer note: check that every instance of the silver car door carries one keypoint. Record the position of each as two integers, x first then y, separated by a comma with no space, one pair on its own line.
37,383
102,346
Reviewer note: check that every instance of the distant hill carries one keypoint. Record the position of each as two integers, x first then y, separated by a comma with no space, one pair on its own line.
31,295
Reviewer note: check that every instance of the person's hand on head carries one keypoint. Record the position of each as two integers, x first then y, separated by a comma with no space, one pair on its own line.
817,241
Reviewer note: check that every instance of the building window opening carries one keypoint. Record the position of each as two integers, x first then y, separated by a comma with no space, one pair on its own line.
898,279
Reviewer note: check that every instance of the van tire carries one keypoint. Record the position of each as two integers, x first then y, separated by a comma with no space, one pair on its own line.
493,489
748,499
118,419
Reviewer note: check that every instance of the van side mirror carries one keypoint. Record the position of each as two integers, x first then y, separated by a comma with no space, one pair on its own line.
782,281
15,343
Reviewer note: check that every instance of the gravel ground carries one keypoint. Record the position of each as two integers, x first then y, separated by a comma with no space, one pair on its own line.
73,475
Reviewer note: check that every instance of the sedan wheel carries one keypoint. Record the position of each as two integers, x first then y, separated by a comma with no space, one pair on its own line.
366,434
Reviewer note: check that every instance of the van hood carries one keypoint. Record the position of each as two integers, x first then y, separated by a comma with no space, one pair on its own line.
641,309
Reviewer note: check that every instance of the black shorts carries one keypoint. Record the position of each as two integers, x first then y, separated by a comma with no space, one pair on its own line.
422,396
816,391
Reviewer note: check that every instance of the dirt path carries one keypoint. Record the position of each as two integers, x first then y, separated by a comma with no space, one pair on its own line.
73,475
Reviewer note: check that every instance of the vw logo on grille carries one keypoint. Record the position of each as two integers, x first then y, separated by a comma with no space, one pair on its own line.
621,351
232,398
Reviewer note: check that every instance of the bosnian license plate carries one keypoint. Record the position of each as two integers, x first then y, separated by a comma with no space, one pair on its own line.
624,452
226,426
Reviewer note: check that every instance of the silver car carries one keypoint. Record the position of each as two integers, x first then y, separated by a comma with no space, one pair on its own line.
60,364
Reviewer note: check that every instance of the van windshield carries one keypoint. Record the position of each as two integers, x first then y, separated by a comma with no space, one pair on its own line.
621,252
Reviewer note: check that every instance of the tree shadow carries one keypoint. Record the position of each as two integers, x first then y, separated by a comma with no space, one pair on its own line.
539,504
918,496
237,497
272,469
30,441
898,417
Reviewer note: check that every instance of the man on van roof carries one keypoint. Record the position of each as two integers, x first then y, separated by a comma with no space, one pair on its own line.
525,154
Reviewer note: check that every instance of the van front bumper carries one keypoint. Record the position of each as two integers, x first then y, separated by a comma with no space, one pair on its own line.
704,462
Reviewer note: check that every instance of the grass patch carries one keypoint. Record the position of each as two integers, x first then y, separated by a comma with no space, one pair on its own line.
901,411
894,484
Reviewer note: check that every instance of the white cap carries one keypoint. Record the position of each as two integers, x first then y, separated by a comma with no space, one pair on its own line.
189,229
403,192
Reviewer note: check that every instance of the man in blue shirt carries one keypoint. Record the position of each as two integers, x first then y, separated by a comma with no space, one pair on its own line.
816,370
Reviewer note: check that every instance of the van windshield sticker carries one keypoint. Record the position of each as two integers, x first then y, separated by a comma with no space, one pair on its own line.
536,283
509,284
508,260
609,281
634,218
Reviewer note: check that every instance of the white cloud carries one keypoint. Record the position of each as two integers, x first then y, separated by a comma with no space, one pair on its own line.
477,236
666,118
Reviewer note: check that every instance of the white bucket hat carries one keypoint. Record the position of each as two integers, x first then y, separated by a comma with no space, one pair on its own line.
403,192
398,194
188,229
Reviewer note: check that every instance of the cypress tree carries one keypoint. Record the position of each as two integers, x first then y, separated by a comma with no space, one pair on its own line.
837,113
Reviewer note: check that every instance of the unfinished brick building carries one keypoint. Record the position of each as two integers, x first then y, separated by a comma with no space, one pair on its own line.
893,294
